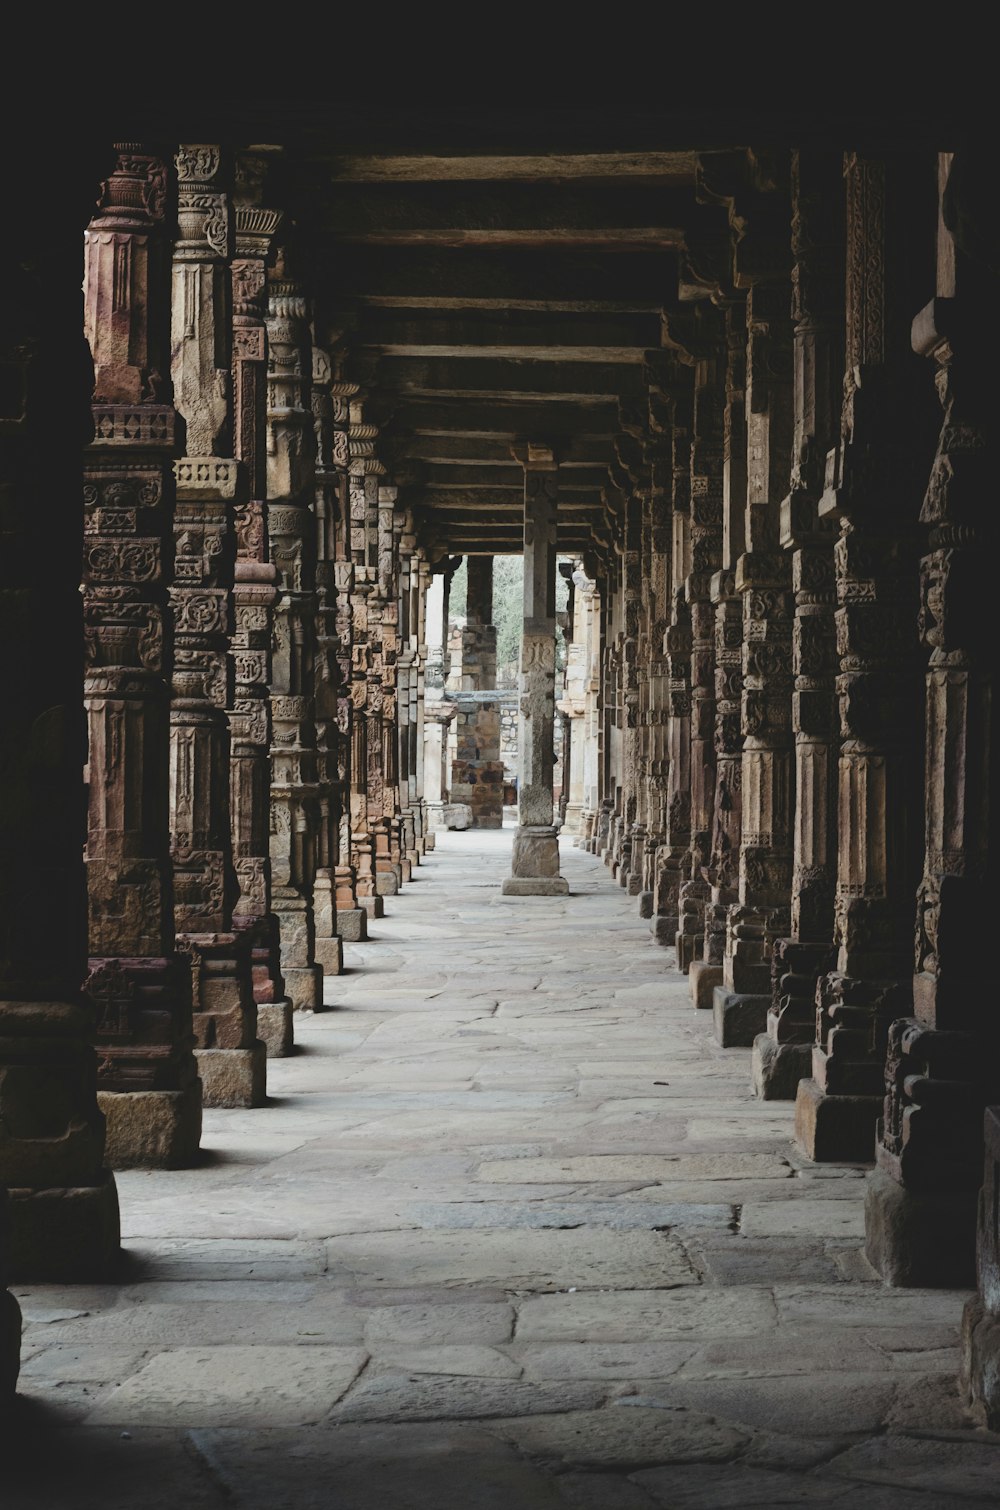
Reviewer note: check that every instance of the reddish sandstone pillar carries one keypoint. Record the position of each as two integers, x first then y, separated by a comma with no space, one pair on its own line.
141,988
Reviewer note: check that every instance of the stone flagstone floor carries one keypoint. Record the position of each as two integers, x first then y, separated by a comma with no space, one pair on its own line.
512,1232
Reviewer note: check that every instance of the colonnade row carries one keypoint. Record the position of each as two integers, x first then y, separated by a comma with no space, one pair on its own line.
778,685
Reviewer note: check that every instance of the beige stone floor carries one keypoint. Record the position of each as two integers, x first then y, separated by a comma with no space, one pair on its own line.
512,1232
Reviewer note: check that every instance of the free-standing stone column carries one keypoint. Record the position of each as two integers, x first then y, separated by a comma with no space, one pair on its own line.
477,770
254,597
61,1220
150,1091
678,402
942,1065
328,487
231,1061
291,533
535,862
873,479
783,1054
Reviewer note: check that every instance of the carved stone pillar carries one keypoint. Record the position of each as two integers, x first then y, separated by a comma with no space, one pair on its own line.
382,604
329,945
678,403
763,580
291,532
254,597
783,1055
477,770
366,732
535,860
60,1222
150,1091
350,919
702,334
942,1065
231,1061
873,477
723,863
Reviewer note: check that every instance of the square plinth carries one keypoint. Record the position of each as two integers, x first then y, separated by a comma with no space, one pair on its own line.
534,886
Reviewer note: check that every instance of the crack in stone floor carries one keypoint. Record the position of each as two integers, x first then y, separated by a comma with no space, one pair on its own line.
512,1232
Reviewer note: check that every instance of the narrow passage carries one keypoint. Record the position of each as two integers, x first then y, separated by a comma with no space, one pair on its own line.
513,1232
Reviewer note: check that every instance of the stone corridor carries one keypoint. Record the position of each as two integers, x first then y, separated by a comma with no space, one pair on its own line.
511,1231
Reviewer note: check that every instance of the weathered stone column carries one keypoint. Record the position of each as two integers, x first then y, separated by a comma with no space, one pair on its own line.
231,1061
783,1054
61,1218
351,919
701,332
535,861
723,863
291,450
763,580
254,597
150,1091
942,1064
426,838
382,606
477,770
365,471
678,405
328,946
873,478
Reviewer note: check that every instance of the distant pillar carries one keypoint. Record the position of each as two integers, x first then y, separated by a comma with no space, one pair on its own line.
477,769
535,862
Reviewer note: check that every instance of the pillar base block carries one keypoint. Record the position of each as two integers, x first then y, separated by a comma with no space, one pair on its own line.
838,1129
352,925
69,1236
152,1129
633,884
981,1362
430,842
10,1347
689,948
704,978
387,883
275,1028
304,984
329,954
920,1239
534,886
739,1017
374,906
777,1068
664,930
646,904
233,1077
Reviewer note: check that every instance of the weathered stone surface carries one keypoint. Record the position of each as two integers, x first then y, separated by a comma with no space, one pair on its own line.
738,1017
409,1397
63,1234
636,1315
624,1436
275,1028
233,1077
153,1129
241,1386
516,1259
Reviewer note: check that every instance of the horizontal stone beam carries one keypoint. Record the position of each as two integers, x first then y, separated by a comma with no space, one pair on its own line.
666,167
446,450
647,278
453,499
471,418
608,337
478,377
491,478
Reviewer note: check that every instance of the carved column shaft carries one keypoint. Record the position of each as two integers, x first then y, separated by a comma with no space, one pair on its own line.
230,1061
291,449
873,476
140,987
254,597
535,861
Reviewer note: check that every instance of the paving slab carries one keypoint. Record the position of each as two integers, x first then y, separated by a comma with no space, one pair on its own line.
236,1386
